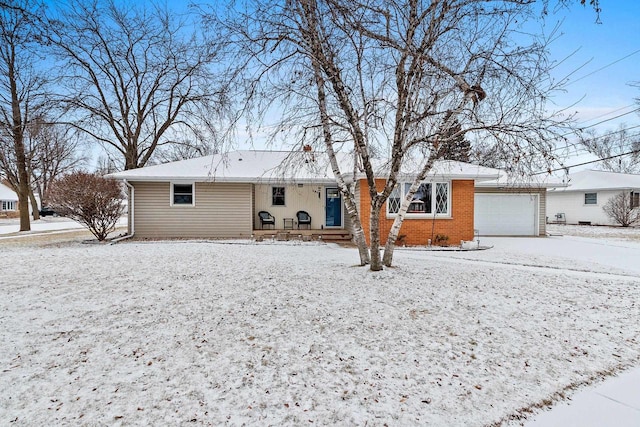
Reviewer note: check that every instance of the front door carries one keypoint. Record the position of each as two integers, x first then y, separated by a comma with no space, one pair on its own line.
333,208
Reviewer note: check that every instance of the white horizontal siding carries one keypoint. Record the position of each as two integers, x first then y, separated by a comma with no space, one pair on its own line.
571,204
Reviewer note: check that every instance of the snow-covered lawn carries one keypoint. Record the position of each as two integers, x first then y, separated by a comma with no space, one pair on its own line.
211,333
619,233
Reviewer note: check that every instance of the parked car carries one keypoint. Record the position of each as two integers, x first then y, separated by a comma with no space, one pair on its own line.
46,211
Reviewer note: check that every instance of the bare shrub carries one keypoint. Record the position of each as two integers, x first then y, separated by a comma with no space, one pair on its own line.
89,199
621,209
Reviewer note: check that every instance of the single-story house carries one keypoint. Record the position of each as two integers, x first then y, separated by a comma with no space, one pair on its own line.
8,200
221,196
581,201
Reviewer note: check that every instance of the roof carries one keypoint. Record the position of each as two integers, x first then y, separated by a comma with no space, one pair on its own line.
446,169
526,181
280,166
601,180
236,166
7,194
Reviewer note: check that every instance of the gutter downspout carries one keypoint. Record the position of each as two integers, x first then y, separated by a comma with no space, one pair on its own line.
131,214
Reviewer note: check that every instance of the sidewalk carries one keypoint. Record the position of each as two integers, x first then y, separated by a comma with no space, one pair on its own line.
614,402
42,225
10,228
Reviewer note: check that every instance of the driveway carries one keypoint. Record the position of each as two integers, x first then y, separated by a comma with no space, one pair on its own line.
607,251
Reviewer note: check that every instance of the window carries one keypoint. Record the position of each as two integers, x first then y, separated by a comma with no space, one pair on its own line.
182,194
277,196
635,200
590,198
8,205
427,199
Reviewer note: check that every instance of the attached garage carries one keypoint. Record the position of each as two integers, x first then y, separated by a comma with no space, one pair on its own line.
507,214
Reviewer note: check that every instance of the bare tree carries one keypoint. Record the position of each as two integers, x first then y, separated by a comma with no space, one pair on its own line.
56,152
182,150
133,74
618,150
623,208
395,79
105,165
21,96
89,199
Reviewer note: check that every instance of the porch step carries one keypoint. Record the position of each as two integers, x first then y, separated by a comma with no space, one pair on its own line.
337,237
330,236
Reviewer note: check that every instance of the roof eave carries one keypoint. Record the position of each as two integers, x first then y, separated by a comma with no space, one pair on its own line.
239,180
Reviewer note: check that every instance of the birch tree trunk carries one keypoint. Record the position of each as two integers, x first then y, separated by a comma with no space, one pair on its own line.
374,237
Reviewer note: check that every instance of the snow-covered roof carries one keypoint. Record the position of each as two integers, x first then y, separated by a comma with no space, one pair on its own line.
601,180
7,194
525,181
279,166
238,166
445,169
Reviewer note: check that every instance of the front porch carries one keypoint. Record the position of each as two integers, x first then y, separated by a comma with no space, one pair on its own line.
302,209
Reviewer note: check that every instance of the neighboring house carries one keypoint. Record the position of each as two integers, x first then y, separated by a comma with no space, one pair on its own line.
8,200
587,192
509,207
220,196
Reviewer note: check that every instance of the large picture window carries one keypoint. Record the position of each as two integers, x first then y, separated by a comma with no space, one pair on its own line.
182,194
429,198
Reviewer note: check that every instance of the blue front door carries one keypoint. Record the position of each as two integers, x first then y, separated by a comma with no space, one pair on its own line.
333,208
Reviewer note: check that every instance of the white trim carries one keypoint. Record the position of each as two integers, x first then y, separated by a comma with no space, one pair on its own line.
424,215
131,206
182,205
584,198
8,205
341,209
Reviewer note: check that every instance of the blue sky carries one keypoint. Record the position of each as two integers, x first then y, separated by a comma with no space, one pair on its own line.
606,59
600,60
598,46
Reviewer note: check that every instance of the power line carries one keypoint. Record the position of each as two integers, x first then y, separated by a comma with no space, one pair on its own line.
610,112
597,137
587,163
609,119
602,68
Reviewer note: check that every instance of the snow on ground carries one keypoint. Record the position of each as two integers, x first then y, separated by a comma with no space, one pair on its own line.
265,334
608,232
555,253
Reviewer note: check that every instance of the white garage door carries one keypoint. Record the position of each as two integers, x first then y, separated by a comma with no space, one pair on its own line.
506,214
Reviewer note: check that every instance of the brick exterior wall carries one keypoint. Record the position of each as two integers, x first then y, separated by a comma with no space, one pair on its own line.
417,231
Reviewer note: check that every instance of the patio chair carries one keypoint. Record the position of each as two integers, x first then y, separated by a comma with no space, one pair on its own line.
303,219
266,219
